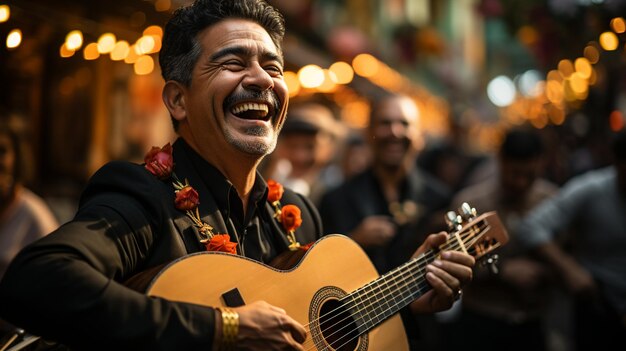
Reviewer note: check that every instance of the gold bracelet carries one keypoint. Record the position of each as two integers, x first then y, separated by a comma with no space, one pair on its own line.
230,328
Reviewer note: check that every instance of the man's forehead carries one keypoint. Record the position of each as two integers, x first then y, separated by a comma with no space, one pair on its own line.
237,32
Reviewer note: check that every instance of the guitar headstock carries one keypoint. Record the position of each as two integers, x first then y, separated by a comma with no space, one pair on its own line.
477,235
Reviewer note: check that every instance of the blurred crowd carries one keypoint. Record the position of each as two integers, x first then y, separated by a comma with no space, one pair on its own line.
561,280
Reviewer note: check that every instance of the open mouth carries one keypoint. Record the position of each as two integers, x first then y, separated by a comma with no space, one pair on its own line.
252,111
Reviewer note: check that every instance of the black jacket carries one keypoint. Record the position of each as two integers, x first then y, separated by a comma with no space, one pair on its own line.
69,286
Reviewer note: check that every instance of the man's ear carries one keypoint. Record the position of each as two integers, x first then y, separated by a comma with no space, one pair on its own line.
174,99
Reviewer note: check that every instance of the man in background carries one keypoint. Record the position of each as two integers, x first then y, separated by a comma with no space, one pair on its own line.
508,308
390,207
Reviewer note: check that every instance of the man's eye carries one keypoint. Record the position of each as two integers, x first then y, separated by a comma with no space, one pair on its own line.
274,70
233,64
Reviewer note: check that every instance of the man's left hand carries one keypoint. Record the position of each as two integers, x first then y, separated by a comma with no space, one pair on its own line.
447,275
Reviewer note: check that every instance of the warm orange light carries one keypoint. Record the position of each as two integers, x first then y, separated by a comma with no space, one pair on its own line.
528,35
14,39
555,76
5,13
618,25
157,44
343,72
74,40
616,121
578,83
144,65
566,67
583,67
328,85
557,115
153,30
132,55
91,51
592,54
162,5
106,43
120,51
356,114
311,76
609,41
554,91
293,84
144,45
366,65
65,52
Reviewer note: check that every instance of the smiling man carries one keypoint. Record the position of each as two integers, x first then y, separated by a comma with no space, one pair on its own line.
223,66
390,207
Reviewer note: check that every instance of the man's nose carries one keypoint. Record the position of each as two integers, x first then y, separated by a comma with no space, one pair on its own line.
398,130
257,78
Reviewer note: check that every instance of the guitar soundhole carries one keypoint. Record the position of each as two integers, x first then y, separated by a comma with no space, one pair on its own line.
332,327
338,327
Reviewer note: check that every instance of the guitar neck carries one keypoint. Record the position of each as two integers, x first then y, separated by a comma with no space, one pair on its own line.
382,298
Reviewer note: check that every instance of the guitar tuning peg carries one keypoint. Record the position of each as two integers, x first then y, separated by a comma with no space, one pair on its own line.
467,212
492,263
454,221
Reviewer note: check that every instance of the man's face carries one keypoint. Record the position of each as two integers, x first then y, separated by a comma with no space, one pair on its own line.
237,98
394,132
7,167
518,176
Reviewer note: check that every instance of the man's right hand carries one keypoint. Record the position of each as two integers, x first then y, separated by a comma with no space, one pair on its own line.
266,327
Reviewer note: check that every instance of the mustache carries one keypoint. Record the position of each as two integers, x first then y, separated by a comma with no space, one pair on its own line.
268,96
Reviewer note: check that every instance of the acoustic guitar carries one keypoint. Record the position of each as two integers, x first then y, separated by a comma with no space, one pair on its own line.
334,290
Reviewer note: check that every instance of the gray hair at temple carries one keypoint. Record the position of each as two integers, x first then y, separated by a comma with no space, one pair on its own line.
181,49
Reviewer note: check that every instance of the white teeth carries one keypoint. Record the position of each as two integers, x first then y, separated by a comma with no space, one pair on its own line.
248,106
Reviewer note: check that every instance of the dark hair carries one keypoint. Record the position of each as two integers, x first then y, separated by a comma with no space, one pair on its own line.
619,145
521,144
181,49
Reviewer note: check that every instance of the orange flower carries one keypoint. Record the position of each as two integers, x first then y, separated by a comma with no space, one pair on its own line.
275,191
221,242
159,161
290,217
187,198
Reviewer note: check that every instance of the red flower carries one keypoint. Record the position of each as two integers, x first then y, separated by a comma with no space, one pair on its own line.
221,242
307,246
187,198
290,217
275,191
159,161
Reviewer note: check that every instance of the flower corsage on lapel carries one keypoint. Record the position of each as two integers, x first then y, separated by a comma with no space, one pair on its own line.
160,162
289,216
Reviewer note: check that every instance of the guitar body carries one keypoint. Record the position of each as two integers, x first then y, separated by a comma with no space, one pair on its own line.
332,268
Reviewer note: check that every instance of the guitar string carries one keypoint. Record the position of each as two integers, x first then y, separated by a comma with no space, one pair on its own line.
408,268
402,301
418,261
369,298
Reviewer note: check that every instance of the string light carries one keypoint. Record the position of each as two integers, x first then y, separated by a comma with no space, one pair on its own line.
14,39
5,13
74,40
